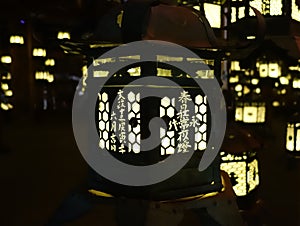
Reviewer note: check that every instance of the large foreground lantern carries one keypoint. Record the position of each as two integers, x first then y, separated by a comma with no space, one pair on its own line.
150,111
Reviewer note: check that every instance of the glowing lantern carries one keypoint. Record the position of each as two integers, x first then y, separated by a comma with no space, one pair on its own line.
16,39
63,35
39,52
270,69
250,111
123,113
293,135
239,159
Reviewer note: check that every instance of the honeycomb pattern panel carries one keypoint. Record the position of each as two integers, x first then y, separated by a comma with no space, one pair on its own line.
168,111
103,121
134,128
237,173
199,122
252,175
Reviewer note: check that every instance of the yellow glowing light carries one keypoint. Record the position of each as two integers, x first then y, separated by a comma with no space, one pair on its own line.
17,39
99,74
284,80
293,137
4,86
258,4
246,90
164,72
50,78
296,83
258,90
251,113
250,37
243,174
238,88
274,70
44,75
254,81
263,70
39,52
135,71
7,76
50,62
8,93
275,104
234,79
283,91
63,35
235,66
213,14
295,11
6,59
6,107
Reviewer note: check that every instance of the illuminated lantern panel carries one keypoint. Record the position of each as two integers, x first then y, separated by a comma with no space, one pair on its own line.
39,52
120,131
250,112
6,59
237,13
267,7
295,11
44,75
242,170
293,138
213,14
63,35
270,69
16,39
296,83
120,114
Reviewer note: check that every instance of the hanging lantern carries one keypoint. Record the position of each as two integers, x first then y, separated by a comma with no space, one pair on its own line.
293,135
16,39
124,115
239,159
266,68
250,111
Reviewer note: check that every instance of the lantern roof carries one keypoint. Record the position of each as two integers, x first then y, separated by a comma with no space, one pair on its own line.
239,139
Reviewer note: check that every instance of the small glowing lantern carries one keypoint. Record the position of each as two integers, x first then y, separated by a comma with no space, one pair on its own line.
63,35
250,111
239,159
16,39
39,52
50,62
293,135
296,83
6,59
270,69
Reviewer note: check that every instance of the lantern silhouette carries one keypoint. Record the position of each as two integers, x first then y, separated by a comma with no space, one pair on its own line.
239,159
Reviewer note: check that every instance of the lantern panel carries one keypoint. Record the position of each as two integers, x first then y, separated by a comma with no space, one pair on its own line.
295,11
296,83
250,112
237,173
213,14
267,7
252,175
243,171
293,137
